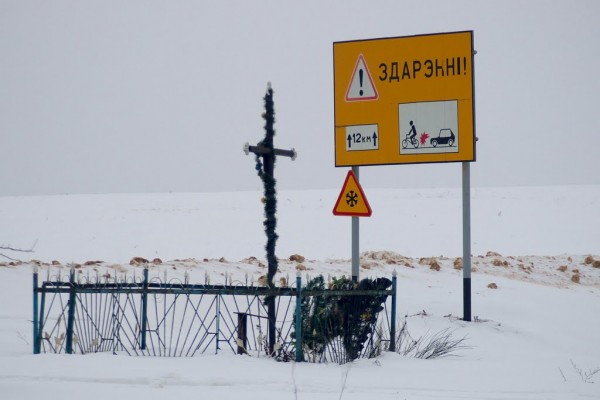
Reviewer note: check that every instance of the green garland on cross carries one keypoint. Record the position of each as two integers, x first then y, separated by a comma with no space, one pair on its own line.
265,171
265,165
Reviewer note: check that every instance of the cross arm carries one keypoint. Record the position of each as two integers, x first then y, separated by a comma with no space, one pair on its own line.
261,151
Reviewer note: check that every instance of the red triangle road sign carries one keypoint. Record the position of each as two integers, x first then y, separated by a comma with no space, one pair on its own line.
352,200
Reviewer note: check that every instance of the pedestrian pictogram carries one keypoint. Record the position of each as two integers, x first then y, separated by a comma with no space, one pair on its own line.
352,200
361,84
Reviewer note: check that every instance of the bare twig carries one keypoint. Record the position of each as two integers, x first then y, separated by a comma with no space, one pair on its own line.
16,249
21,336
563,375
586,376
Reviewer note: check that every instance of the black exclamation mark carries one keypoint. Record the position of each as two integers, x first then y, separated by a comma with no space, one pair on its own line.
465,64
360,80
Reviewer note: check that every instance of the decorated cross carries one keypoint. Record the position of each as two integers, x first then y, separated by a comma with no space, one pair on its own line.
265,150
265,154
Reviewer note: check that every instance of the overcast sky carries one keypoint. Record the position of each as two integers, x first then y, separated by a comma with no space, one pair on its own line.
160,96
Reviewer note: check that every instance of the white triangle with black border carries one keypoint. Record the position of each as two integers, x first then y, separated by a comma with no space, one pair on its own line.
361,84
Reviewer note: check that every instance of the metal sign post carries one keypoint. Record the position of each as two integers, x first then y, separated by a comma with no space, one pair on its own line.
355,239
466,200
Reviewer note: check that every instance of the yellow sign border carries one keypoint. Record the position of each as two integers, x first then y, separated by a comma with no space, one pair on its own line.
417,69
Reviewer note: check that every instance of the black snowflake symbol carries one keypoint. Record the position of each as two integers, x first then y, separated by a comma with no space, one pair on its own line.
351,198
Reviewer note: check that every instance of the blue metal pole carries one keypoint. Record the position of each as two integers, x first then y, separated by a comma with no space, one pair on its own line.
144,310
393,319
36,343
71,315
298,317
41,319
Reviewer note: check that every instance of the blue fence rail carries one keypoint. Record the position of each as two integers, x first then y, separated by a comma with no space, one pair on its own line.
154,317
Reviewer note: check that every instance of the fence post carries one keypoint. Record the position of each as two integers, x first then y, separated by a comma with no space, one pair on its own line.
144,309
393,319
71,315
242,332
36,343
217,324
41,319
298,317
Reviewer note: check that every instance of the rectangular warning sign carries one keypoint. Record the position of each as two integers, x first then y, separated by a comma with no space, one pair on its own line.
404,100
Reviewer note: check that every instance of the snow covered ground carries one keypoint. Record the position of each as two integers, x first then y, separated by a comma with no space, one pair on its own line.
535,335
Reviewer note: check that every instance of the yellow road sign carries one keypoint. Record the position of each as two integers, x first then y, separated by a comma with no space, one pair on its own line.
352,200
404,100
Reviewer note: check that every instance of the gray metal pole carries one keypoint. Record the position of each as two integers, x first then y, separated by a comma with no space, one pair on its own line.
466,200
355,237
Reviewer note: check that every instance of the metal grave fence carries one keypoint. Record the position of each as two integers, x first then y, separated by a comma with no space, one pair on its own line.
143,316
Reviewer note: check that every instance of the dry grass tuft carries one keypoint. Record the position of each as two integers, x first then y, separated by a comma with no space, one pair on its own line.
435,266
119,268
432,262
458,263
426,260
135,261
492,286
562,268
492,254
499,263
297,258
575,278
589,260
262,280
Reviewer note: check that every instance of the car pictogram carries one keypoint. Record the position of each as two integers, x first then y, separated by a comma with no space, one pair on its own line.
446,136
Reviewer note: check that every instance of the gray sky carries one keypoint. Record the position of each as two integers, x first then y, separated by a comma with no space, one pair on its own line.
160,96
